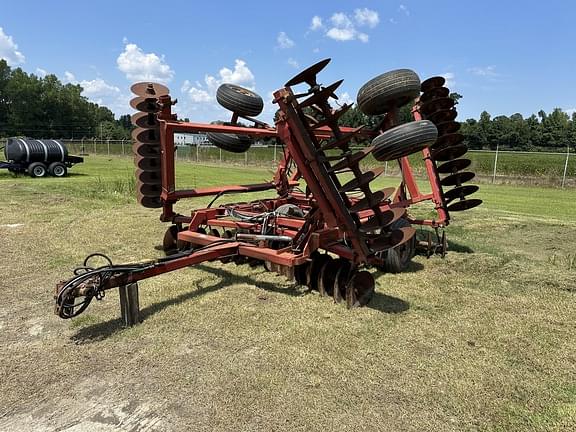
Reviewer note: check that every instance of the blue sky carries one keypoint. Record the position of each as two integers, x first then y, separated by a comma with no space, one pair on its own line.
503,57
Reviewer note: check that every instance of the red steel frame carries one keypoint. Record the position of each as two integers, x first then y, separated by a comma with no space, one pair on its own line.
325,236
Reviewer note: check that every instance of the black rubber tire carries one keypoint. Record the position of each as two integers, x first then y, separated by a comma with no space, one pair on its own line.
389,90
57,169
398,259
37,169
239,100
229,142
404,140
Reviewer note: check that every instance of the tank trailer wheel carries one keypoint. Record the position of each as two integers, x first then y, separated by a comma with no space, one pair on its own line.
58,169
37,169
239,100
387,91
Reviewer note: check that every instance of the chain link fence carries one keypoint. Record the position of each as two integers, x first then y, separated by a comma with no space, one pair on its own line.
557,169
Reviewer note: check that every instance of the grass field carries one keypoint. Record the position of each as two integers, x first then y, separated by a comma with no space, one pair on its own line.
518,167
482,340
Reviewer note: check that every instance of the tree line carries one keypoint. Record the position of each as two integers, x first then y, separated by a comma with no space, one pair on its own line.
542,132
44,107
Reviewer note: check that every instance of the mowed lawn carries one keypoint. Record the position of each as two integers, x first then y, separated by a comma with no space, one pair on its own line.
483,340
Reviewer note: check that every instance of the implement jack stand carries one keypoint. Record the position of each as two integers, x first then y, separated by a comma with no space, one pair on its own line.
129,305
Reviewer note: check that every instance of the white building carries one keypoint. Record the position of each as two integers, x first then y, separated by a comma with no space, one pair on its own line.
184,139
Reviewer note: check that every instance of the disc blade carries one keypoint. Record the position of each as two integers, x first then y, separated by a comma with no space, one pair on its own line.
333,119
341,278
359,289
453,166
352,159
435,93
447,141
147,163
460,192
374,200
450,153
322,95
464,205
448,127
392,240
363,180
326,277
149,89
148,105
442,116
345,139
433,82
149,202
148,177
308,75
313,271
388,218
146,136
145,120
437,105
149,190
457,179
146,150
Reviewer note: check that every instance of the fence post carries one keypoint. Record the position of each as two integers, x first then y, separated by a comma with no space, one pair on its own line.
495,163
82,150
246,158
385,168
220,155
197,152
274,150
108,141
565,166
94,145
122,146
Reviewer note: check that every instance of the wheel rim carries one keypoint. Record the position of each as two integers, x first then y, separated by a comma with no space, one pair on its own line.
58,171
38,171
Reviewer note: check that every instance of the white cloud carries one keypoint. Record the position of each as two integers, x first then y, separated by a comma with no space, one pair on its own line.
487,71
41,72
345,98
316,23
9,50
241,75
140,66
450,79
569,111
404,9
341,34
284,41
199,95
97,89
366,17
206,94
69,78
316,50
185,86
293,63
343,27
393,21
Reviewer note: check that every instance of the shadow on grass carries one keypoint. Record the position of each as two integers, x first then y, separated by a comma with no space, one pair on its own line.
103,330
388,304
457,247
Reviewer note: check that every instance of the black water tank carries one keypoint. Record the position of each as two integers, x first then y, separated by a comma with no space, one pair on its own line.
31,150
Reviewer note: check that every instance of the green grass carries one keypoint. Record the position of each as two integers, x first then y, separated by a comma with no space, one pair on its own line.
482,340
546,167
